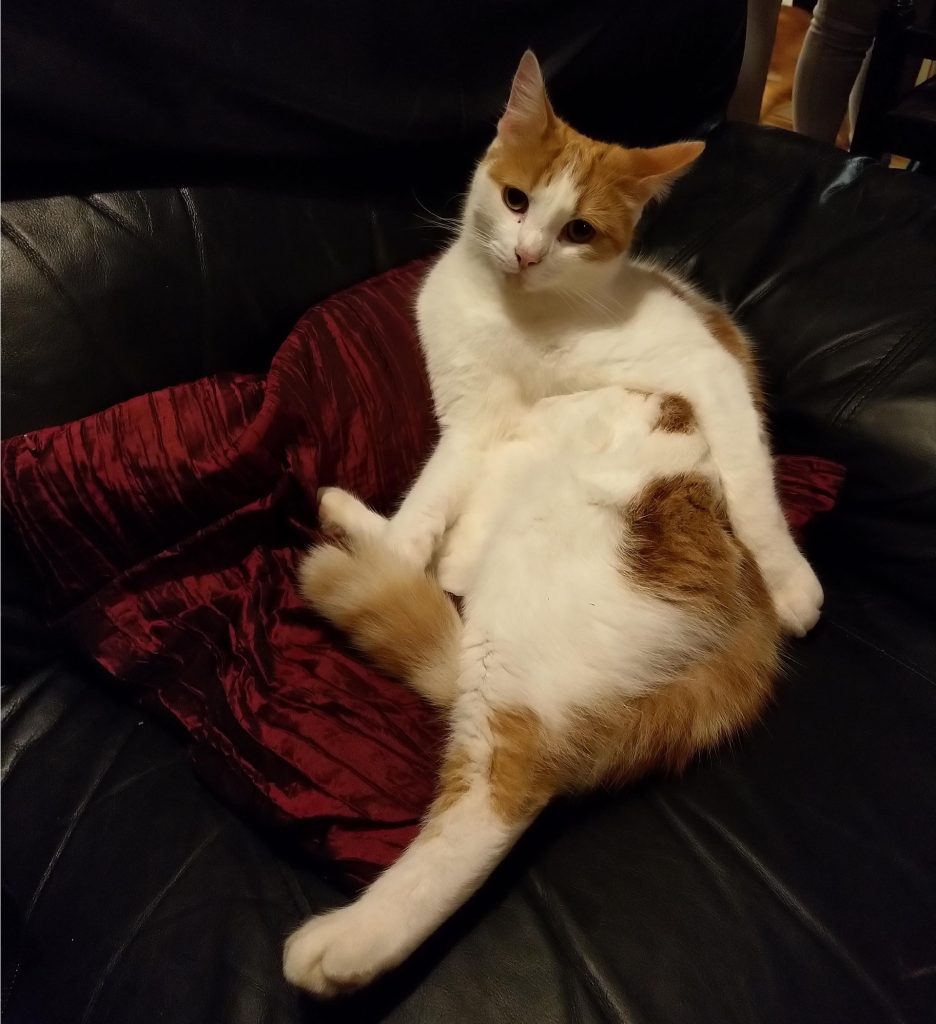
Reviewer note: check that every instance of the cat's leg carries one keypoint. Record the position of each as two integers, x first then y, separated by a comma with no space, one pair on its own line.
435,499
459,560
464,545
427,510
488,797
723,404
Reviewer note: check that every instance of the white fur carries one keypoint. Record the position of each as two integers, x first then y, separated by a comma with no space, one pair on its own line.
349,947
493,348
546,385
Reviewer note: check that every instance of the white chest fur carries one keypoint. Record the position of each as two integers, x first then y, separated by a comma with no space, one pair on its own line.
487,346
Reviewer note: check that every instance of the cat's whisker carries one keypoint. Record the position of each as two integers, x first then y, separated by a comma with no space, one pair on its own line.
438,220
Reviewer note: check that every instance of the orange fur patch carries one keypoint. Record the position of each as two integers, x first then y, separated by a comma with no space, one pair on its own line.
520,783
727,333
677,544
525,163
454,780
676,415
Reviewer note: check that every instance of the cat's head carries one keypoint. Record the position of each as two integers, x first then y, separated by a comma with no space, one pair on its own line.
552,209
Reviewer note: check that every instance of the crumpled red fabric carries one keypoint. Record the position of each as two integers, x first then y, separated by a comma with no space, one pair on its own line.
166,533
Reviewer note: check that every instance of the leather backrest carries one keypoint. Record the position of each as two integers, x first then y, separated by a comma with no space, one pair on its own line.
106,296
132,93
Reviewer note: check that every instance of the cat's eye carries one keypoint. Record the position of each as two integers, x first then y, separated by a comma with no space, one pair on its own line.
515,200
578,231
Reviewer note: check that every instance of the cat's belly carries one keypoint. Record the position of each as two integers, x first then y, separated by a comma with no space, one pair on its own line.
565,455
559,621
540,552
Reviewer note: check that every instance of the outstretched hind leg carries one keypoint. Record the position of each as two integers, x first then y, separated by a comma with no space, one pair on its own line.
466,833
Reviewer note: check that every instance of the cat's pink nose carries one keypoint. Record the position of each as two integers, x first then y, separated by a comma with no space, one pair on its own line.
526,257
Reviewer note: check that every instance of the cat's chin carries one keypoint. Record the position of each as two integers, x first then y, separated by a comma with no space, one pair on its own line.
525,283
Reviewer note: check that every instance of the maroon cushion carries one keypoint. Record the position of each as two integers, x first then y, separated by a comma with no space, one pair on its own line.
167,530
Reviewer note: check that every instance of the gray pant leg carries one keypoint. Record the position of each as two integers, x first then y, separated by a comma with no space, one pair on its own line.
838,39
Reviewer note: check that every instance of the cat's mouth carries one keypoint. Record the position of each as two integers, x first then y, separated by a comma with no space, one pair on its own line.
532,278
527,280
521,277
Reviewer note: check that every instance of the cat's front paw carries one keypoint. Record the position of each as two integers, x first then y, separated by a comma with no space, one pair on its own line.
336,953
797,595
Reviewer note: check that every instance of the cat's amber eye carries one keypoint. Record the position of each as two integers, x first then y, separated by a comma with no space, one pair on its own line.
578,231
515,200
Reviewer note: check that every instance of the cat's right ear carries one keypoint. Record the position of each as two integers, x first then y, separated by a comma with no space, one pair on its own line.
528,110
655,170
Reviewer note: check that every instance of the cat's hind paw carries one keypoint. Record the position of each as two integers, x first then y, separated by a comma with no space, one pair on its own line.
797,597
336,953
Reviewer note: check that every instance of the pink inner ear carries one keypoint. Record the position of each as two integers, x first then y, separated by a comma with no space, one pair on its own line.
528,108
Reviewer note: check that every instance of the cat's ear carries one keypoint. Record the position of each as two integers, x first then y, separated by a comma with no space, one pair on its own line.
655,170
528,110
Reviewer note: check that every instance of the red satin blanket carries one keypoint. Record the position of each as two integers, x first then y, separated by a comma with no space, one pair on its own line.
166,533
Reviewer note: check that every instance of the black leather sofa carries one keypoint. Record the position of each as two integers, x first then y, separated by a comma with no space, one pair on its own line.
283,152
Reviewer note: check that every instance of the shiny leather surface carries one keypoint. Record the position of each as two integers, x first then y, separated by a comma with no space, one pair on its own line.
149,288
787,879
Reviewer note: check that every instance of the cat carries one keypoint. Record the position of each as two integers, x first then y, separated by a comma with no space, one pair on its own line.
601,497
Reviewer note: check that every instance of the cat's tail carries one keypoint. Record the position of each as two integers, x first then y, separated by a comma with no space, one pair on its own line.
396,615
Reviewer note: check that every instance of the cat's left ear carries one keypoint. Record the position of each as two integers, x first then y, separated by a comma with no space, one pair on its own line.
655,170
528,112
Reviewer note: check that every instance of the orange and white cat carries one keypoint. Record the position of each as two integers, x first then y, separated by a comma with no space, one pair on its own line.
602,498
